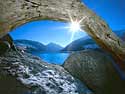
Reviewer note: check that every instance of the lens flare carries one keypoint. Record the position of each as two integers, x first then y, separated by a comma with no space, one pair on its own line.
74,25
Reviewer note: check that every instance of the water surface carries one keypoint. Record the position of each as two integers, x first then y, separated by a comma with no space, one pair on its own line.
54,58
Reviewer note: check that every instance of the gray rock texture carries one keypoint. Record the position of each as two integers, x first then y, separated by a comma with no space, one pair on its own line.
37,76
96,70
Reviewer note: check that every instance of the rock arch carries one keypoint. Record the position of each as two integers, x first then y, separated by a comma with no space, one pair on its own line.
17,12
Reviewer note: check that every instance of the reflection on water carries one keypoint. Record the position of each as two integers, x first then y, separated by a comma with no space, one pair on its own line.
55,58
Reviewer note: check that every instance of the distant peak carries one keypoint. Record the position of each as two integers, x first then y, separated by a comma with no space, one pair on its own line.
54,44
51,43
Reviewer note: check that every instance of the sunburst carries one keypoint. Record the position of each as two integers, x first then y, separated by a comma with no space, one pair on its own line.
74,25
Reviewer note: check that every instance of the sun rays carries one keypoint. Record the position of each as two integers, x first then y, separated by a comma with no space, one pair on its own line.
74,25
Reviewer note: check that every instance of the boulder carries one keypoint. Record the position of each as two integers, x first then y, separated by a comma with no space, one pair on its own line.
36,76
96,70
6,43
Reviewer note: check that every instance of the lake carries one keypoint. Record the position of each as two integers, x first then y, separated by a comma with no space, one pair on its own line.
54,58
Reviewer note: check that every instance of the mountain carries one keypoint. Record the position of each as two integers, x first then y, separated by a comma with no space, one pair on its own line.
77,45
36,47
52,47
81,44
89,43
30,46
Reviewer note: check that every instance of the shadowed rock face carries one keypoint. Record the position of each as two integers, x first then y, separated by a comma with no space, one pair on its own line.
96,70
10,85
36,76
6,43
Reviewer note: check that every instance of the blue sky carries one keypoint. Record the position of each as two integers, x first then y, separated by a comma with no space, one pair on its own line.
112,11
46,32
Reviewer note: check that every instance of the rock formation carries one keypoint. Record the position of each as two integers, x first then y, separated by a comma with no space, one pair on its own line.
18,12
6,43
36,76
96,70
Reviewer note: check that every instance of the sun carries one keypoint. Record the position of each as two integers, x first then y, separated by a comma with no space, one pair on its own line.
74,26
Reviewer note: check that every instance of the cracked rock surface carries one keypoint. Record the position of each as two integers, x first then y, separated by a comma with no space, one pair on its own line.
39,77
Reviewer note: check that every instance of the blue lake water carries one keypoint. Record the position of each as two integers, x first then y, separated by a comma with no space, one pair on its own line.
54,58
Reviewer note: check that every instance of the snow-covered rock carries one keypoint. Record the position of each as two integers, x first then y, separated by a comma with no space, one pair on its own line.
40,77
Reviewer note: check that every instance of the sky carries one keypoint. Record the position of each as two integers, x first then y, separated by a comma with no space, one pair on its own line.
46,32
112,11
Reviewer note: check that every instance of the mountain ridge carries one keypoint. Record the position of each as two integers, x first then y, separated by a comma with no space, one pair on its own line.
53,47
34,46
